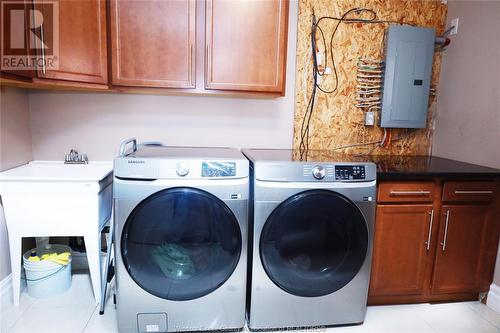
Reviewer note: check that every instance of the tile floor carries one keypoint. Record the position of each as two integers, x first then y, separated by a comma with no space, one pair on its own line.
75,311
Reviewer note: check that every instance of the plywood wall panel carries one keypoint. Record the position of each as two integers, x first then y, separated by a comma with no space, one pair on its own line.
336,122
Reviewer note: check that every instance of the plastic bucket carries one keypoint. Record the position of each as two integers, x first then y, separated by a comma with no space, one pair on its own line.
46,278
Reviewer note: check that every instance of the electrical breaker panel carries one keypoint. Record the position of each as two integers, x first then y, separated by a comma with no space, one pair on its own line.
407,78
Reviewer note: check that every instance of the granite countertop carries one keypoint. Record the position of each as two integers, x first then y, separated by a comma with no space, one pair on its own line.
425,167
389,167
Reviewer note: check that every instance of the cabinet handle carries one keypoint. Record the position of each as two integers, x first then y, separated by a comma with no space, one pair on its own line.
35,40
473,192
208,66
44,69
445,230
191,57
428,243
423,193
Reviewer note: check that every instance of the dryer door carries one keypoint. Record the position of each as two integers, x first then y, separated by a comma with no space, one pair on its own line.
181,243
314,243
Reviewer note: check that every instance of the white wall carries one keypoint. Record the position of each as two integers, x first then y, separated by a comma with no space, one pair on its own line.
15,149
468,115
95,124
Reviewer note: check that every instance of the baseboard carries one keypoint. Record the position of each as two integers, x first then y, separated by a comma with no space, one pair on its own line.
493,301
6,291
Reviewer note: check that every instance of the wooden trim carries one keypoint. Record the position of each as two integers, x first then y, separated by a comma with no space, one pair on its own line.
407,299
49,84
57,85
14,78
192,92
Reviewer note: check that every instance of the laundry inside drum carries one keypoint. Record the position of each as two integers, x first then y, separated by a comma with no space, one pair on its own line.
173,260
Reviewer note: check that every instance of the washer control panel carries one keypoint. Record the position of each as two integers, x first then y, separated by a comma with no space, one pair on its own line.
218,169
350,172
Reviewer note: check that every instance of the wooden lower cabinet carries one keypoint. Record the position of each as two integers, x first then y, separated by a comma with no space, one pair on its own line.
461,248
401,256
442,250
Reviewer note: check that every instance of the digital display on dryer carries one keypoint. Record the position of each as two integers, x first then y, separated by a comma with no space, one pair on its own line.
349,172
218,169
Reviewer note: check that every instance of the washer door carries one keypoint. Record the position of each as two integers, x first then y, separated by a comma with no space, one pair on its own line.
314,243
181,243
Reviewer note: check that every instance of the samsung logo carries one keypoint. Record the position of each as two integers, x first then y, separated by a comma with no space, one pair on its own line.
136,162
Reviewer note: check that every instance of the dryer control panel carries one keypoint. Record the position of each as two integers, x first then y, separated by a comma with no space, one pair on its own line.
345,172
349,172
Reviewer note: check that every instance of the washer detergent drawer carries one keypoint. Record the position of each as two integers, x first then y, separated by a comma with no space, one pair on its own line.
152,322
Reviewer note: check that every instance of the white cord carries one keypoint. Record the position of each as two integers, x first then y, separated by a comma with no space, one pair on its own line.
370,76
369,81
369,88
384,137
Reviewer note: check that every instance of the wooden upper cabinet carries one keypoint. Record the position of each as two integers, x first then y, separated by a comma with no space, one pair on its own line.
24,37
246,45
402,255
82,42
153,43
462,240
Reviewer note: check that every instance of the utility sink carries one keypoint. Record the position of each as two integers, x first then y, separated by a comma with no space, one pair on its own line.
50,198
58,171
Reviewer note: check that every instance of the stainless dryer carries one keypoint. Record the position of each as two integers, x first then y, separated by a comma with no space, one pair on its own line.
311,243
180,231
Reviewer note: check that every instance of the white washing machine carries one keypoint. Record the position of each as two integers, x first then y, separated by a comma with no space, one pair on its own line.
311,238
180,238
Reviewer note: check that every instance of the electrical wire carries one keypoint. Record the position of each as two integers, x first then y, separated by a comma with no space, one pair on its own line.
378,142
305,126
328,52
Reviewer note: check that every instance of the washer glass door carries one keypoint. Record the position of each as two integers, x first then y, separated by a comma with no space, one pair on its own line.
181,243
314,243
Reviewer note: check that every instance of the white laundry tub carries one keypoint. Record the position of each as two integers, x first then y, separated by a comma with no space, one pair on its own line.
50,198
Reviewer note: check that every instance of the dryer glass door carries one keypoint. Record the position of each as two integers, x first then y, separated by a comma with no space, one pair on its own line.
181,243
314,243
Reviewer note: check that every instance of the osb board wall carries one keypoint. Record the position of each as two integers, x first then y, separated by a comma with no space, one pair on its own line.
336,122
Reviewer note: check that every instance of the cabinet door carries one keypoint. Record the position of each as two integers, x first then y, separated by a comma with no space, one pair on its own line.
153,43
82,42
402,249
461,240
22,42
246,45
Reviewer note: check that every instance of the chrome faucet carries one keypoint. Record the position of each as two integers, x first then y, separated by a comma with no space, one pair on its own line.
74,158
